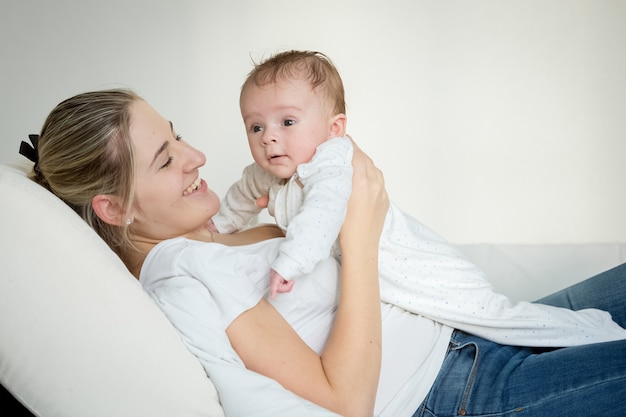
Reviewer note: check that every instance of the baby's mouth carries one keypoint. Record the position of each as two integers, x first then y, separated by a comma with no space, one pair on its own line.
193,187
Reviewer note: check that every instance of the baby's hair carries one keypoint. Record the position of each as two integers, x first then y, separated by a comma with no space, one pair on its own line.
314,67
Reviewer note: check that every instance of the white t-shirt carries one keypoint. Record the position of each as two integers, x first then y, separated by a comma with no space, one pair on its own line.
202,287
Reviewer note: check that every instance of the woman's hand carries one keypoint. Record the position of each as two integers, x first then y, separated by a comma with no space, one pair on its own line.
368,202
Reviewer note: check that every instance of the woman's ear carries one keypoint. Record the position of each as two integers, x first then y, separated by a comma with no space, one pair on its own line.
338,125
108,209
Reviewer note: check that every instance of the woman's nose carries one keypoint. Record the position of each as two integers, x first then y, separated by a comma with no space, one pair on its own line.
194,159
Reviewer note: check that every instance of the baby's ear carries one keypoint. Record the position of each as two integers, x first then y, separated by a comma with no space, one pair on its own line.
108,209
338,125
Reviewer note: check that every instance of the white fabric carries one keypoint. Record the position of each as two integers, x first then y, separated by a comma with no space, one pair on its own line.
418,269
238,206
414,348
321,187
530,271
202,287
422,273
78,335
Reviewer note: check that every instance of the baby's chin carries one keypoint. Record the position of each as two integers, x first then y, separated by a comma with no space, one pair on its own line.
282,172
285,175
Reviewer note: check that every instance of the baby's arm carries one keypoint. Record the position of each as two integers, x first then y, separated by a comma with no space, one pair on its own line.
327,184
239,205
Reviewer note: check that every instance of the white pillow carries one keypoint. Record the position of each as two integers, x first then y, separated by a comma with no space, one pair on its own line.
78,336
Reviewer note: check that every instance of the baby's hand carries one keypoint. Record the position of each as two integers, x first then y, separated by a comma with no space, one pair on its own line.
262,201
279,284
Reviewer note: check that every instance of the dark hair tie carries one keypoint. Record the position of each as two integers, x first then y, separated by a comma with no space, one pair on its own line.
31,152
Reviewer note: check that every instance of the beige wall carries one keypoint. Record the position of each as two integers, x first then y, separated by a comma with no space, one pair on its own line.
494,121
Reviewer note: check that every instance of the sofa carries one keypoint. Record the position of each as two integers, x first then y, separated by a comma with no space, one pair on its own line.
79,337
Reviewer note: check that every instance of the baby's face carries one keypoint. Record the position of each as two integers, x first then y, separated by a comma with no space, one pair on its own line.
285,123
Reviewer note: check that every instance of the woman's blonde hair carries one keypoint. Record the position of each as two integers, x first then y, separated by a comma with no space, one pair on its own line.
314,67
84,149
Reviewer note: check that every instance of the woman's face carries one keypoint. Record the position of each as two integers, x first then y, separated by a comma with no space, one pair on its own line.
171,199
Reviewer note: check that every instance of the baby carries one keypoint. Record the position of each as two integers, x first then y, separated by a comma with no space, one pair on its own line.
292,105
293,108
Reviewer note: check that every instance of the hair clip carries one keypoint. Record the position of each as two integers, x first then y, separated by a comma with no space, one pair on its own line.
31,152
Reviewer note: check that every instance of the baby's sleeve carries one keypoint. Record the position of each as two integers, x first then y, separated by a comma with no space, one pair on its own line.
311,234
238,207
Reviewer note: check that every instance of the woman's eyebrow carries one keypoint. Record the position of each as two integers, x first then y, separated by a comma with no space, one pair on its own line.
159,151
163,147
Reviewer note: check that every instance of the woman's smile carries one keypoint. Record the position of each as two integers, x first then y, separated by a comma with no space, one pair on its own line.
193,187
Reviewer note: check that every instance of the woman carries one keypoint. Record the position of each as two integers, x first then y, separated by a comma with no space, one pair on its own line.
123,168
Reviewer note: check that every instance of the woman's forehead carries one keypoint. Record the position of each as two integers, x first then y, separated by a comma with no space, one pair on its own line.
148,129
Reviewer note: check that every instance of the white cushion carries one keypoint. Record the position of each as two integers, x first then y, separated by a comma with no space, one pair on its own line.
78,336
529,272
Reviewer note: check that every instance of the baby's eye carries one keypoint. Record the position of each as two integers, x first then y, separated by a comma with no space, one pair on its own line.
289,122
178,137
256,128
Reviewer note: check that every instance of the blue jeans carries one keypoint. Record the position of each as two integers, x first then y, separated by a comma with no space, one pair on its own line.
482,378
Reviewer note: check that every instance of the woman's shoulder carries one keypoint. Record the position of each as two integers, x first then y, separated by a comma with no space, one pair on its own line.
177,249
203,261
162,259
169,251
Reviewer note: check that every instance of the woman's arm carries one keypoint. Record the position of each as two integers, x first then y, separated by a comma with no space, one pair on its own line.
344,378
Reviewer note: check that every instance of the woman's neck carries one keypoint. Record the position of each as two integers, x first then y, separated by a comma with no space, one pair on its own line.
248,236
135,258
